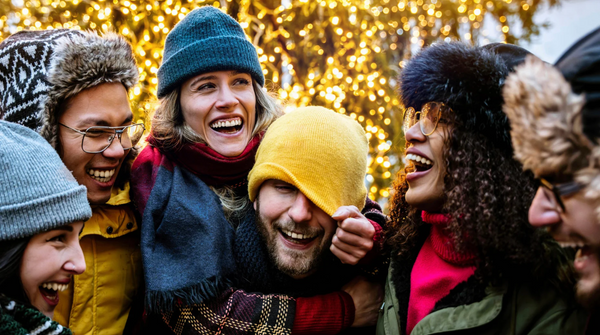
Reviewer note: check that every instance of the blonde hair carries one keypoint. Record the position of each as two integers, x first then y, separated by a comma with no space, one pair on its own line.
170,129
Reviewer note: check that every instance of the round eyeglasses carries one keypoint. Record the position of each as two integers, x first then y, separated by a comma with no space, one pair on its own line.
98,138
428,117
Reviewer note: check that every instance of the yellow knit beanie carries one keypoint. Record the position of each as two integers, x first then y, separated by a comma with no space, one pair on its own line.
321,152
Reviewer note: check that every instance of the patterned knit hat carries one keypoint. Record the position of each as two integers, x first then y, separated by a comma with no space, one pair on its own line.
37,192
39,70
206,40
321,152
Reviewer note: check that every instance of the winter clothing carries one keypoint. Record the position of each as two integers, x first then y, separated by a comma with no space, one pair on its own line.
474,308
20,319
206,40
328,313
554,113
110,241
328,176
54,66
468,80
437,270
511,54
180,209
37,192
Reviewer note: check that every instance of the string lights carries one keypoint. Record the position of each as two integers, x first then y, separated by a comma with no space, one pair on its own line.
342,54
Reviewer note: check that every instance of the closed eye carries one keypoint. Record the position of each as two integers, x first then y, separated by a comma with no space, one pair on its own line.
241,81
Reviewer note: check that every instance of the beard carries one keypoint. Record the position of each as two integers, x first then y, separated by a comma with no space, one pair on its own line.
294,263
590,297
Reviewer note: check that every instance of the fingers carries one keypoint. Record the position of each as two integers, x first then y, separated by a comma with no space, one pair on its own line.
358,226
345,212
350,248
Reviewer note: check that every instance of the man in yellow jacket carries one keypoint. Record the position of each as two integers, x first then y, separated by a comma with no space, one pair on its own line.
72,87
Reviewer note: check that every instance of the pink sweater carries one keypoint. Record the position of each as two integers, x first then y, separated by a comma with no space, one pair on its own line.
437,270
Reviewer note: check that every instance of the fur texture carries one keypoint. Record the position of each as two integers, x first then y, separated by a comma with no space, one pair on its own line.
82,62
546,126
467,79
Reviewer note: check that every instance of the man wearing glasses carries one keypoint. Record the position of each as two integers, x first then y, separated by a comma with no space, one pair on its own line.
72,87
555,120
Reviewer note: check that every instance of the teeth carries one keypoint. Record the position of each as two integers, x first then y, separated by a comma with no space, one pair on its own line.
224,124
55,286
419,159
295,235
574,245
102,176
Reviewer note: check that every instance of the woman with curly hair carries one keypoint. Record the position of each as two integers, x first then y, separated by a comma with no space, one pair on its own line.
463,256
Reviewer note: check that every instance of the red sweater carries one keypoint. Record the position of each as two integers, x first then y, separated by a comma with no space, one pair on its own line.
437,270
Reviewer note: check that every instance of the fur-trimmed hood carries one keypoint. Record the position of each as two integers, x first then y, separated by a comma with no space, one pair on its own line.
554,113
467,79
43,69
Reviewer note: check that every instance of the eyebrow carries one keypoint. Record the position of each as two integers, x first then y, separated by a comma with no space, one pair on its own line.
93,121
65,227
212,77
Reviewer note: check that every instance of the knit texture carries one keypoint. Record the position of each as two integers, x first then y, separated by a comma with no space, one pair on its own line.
182,216
17,319
333,150
37,192
24,61
437,270
49,68
206,40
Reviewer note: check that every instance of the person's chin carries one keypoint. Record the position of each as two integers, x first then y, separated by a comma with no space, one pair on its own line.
418,198
98,197
588,285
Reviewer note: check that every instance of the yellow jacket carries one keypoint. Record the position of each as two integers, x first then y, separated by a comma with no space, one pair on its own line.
99,300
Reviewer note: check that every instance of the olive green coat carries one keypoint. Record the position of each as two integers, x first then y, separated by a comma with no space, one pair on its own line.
509,309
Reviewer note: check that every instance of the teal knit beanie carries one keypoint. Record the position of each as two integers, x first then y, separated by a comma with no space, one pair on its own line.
37,192
206,40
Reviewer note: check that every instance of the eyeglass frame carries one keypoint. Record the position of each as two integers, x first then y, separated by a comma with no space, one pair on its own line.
420,112
561,190
118,133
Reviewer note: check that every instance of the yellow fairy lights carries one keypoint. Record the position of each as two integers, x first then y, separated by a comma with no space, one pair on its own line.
342,54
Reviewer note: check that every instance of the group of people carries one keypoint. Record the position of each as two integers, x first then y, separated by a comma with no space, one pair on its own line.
236,218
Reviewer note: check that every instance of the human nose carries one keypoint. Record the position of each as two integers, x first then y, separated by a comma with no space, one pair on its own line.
301,210
414,134
115,148
226,99
543,211
76,261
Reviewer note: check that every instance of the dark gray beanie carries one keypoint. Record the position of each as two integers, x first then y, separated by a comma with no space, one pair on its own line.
37,192
206,40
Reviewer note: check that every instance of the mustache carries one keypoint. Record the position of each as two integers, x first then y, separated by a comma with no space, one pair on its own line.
297,228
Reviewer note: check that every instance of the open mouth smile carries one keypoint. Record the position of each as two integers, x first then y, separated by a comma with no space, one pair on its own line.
421,163
582,255
101,175
294,240
50,291
227,126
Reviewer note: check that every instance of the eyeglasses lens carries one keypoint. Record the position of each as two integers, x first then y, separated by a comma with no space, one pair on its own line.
97,139
409,119
430,115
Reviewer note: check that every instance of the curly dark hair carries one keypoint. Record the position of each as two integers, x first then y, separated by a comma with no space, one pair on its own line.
487,196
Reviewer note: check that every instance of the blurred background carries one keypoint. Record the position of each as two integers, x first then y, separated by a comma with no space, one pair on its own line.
342,54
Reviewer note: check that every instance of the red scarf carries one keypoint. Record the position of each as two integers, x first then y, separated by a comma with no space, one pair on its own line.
213,168
443,242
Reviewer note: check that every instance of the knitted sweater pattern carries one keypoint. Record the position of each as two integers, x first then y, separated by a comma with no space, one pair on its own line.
18,319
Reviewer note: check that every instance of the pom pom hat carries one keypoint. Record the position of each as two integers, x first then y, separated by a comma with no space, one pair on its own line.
206,40
319,151
37,192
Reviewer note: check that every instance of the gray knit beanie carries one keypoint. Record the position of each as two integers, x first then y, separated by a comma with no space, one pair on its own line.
206,40
37,192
